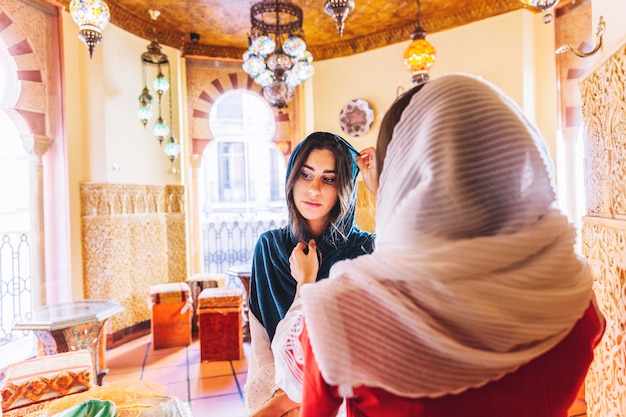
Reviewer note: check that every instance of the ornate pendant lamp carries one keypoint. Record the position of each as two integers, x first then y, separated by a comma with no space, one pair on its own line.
339,10
544,6
420,55
277,58
154,57
91,16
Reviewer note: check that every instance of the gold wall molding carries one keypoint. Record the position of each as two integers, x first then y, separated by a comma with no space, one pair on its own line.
133,236
604,227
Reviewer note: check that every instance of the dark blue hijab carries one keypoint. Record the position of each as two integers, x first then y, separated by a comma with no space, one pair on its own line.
272,288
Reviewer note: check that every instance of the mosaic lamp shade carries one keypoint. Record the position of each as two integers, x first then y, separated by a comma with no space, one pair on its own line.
91,16
419,57
420,54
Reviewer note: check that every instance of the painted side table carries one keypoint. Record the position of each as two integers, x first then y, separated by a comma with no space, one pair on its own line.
70,326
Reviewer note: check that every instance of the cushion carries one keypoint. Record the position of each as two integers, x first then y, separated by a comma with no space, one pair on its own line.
172,292
47,377
220,297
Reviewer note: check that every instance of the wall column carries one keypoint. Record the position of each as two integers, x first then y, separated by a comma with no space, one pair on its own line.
37,146
195,226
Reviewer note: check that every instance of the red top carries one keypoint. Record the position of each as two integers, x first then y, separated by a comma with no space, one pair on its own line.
545,387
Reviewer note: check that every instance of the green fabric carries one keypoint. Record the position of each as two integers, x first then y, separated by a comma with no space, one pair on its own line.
90,408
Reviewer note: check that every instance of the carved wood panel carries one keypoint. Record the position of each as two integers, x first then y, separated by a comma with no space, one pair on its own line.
604,227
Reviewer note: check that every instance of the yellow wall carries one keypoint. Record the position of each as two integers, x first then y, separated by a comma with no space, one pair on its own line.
515,51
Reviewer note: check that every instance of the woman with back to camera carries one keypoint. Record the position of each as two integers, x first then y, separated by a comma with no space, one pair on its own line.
474,302
321,201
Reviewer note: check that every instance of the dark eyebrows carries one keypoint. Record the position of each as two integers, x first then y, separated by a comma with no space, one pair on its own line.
310,168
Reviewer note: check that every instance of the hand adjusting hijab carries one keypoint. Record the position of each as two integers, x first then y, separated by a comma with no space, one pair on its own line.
474,272
272,288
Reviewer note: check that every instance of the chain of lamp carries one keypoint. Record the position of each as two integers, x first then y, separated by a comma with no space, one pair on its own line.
161,84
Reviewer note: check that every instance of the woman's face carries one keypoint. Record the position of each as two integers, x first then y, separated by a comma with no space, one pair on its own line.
314,192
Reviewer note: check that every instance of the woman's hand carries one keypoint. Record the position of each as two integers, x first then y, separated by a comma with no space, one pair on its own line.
279,405
366,162
304,263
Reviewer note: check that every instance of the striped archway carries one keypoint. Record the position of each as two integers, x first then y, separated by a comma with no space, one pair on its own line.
29,111
200,130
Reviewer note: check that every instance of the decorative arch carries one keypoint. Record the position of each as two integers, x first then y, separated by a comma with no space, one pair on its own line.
206,81
200,129
30,36
28,111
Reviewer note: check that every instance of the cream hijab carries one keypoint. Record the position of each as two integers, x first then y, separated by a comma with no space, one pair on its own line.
474,272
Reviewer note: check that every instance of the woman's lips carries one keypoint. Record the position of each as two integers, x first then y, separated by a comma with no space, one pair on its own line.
312,204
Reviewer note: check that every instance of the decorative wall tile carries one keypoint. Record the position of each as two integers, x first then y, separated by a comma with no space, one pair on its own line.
133,236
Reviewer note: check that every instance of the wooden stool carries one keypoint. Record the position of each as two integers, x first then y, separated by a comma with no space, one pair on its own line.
171,315
219,324
199,282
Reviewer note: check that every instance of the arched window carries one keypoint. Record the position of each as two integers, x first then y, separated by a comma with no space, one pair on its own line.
15,240
243,170
241,181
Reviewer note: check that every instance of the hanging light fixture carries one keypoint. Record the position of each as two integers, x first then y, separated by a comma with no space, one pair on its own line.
277,64
171,148
420,55
339,10
91,16
544,6
154,57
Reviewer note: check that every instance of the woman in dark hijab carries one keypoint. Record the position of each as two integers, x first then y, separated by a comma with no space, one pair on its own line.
321,200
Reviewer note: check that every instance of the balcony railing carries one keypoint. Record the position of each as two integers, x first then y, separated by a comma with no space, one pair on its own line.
229,240
15,282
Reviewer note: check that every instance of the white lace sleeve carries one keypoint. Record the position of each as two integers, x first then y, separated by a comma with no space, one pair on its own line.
260,385
288,355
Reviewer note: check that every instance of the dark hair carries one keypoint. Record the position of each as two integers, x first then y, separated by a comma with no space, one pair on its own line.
392,117
345,178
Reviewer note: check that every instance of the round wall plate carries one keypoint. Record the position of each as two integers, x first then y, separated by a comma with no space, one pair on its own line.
356,117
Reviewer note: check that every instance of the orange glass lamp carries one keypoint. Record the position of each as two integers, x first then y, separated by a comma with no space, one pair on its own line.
420,55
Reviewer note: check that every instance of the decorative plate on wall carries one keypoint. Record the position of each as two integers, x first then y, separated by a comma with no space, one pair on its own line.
356,117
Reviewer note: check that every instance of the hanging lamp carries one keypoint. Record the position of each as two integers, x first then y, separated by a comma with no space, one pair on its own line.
277,58
544,6
154,57
91,16
420,54
339,10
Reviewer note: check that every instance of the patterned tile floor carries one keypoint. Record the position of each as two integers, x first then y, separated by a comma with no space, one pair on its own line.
212,389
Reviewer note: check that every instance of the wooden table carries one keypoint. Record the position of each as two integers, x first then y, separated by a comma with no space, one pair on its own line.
71,326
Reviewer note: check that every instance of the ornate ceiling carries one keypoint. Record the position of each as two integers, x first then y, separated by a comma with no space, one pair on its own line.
223,25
